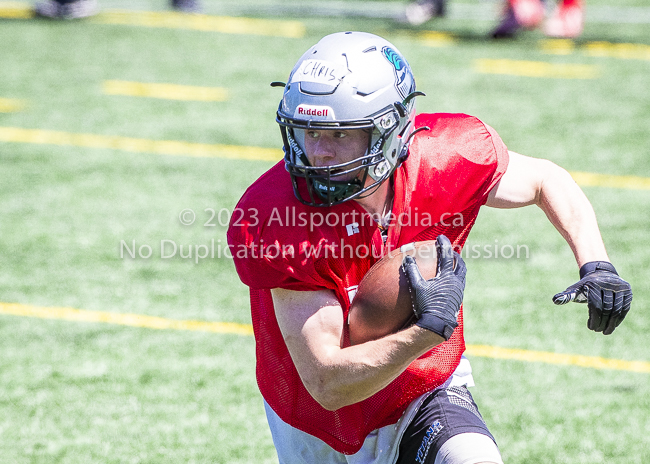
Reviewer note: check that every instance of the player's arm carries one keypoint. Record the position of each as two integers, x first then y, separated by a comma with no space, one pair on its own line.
530,181
312,327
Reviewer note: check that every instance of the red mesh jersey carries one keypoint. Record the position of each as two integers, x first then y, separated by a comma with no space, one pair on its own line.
278,242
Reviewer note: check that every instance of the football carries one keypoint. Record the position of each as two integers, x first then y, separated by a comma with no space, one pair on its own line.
382,304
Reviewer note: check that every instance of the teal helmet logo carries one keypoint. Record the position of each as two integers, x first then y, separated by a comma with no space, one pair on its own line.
394,58
405,84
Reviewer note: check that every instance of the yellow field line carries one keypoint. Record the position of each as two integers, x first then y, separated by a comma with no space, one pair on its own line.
591,179
175,20
557,46
133,320
16,10
201,22
625,51
159,323
164,91
11,105
160,147
539,69
436,39
594,362
295,29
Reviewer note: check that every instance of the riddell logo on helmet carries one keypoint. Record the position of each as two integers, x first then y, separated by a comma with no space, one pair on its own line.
318,111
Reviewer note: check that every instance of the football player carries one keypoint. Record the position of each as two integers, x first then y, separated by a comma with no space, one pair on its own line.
78,9
566,21
420,11
360,171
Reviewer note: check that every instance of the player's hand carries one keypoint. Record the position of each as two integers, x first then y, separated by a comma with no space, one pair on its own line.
436,302
608,297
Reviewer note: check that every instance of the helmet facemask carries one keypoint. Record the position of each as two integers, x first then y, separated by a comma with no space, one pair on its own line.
334,184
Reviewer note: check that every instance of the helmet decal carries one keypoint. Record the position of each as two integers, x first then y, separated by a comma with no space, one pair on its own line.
393,57
377,147
404,86
314,111
295,148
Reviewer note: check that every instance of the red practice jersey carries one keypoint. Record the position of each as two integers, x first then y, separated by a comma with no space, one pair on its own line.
277,242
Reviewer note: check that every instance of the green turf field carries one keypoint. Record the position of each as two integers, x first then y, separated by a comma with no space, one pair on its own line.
84,177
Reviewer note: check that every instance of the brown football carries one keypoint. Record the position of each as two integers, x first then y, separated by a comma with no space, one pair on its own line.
382,304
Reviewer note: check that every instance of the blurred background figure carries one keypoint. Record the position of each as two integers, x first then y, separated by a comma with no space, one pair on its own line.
420,11
566,20
66,9
76,9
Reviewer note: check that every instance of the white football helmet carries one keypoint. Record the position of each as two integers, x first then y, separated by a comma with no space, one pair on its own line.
348,80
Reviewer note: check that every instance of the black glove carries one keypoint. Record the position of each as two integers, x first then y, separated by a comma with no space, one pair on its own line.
436,302
608,297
